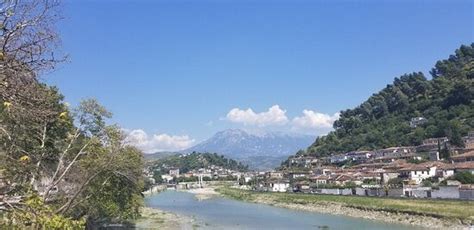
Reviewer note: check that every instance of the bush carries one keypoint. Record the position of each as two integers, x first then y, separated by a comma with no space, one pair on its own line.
395,181
464,177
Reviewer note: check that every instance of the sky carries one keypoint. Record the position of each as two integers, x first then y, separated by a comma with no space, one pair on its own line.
175,72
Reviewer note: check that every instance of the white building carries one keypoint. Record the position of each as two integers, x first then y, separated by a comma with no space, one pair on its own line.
416,173
279,186
167,178
339,158
174,172
359,155
416,121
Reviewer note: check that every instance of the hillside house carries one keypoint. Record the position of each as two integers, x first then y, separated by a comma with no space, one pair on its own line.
274,175
467,166
296,175
417,121
320,179
344,179
469,141
444,171
174,172
416,173
280,186
393,152
388,175
326,170
359,156
469,156
166,178
302,186
338,158
305,162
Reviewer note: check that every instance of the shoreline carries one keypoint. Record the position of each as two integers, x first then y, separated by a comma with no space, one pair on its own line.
203,193
155,218
168,220
335,208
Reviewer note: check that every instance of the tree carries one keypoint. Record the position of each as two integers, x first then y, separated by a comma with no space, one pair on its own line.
89,163
157,177
464,177
62,166
28,38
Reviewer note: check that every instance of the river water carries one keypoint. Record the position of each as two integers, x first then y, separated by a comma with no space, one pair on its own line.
223,213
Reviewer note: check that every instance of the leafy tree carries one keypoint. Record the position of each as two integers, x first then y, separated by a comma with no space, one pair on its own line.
157,176
395,181
64,166
464,177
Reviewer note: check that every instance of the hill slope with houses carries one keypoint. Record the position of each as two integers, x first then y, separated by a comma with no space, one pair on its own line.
415,138
410,110
186,167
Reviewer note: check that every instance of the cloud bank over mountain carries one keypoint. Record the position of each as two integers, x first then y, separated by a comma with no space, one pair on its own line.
309,122
157,142
275,118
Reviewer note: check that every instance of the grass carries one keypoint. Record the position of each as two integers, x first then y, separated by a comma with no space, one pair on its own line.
449,209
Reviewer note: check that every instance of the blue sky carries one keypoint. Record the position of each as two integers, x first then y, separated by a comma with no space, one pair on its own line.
178,71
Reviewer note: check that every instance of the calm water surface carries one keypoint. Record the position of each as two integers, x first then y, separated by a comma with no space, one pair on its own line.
223,213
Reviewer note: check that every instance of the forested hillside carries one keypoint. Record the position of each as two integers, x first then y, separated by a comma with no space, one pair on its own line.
446,101
192,161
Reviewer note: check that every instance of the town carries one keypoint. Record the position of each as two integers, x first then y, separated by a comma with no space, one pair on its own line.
434,169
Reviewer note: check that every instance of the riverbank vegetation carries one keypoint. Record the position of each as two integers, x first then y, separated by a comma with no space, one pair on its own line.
60,167
451,210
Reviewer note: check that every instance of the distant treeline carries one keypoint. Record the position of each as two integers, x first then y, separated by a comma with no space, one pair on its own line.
193,161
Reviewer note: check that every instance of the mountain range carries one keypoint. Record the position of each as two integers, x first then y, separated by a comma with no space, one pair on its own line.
259,151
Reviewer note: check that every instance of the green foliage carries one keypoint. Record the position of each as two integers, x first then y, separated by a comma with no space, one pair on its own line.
37,215
416,161
193,161
157,176
464,177
334,186
395,181
58,167
382,121
370,181
39,139
115,194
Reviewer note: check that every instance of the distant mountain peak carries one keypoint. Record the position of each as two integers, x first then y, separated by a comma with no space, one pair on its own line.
259,150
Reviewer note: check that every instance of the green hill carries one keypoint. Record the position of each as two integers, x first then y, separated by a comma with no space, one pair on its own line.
192,161
383,120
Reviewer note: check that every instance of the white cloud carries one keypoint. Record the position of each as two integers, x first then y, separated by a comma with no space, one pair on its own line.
314,120
274,116
158,142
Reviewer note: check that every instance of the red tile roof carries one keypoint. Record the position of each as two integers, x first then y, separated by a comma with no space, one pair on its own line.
464,165
468,154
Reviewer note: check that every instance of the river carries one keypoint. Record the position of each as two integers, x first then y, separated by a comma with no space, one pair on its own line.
224,213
